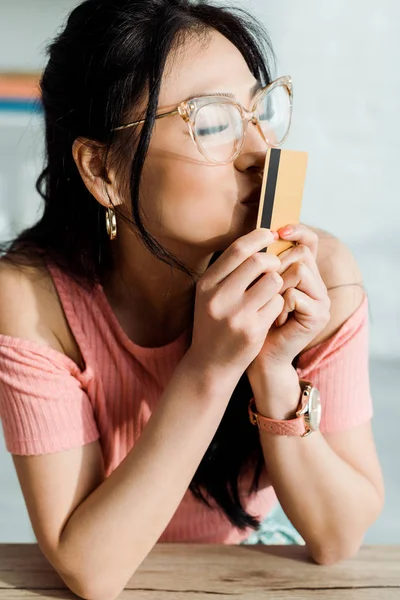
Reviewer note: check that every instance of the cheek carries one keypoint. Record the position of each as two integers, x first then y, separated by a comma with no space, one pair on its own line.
189,200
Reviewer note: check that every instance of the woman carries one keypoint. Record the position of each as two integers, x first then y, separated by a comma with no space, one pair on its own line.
138,317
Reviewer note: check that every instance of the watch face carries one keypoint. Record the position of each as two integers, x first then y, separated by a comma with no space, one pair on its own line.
314,409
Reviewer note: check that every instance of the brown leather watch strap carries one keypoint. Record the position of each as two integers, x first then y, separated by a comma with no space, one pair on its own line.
289,427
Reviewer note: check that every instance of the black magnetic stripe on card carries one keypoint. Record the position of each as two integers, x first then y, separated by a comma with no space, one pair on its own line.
270,188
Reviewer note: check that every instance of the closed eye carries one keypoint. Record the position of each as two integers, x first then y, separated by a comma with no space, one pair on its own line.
212,130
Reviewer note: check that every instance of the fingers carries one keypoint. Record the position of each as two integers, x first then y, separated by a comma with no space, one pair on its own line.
307,311
305,251
299,275
300,253
263,291
237,254
302,235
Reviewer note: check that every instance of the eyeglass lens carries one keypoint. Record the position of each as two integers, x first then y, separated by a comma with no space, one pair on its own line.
219,127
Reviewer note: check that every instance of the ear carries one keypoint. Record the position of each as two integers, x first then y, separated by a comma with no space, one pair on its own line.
89,157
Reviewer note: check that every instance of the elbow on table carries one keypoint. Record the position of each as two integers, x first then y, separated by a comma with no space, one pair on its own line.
343,548
95,590
89,582
331,554
94,593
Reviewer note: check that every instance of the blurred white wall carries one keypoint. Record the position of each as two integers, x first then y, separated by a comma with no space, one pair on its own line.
25,26
343,57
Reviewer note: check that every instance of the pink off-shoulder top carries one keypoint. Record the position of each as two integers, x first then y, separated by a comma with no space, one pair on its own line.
48,404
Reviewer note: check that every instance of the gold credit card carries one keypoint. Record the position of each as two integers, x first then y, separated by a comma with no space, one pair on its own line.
281,193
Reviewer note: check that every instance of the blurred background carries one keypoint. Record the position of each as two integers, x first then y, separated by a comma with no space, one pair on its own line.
344,60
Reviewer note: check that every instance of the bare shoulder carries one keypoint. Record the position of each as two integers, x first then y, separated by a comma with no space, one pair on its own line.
53,484
337,264
342,276
30,308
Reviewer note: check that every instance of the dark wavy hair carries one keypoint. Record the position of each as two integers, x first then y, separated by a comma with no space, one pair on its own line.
105,61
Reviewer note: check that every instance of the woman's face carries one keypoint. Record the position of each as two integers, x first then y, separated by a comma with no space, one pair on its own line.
191,207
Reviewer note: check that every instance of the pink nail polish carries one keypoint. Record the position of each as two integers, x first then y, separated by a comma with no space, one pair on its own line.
286,231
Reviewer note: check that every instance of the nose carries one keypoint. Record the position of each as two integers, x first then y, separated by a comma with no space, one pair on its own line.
252,155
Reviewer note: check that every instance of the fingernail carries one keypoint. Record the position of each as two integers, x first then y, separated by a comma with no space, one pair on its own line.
286,231
275,234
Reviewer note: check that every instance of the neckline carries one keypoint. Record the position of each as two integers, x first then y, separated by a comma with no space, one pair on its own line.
132,346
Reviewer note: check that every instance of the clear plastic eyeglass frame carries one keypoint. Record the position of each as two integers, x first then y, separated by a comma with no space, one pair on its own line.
188,110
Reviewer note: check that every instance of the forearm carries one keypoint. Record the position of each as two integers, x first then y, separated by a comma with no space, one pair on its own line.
119,523
329,502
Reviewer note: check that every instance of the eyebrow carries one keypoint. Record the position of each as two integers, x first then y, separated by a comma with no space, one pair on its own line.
257,86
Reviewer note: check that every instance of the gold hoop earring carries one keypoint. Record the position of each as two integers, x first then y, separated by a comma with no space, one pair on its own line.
111,223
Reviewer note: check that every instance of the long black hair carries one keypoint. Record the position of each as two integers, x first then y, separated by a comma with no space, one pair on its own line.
108,57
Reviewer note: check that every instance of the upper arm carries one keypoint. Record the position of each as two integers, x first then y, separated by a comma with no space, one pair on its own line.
343,279
53,486
30,309
53,483
27,309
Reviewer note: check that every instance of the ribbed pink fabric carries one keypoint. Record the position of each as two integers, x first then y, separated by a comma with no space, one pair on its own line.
47,404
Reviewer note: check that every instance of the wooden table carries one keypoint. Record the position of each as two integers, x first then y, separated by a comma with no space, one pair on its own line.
213,572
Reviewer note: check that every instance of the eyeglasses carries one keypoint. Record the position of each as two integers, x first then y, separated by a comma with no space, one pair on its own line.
217,124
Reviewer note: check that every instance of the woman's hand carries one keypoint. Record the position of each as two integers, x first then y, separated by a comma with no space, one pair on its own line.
306,310
237,301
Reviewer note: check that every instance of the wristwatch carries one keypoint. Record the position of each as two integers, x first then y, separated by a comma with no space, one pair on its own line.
308,414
